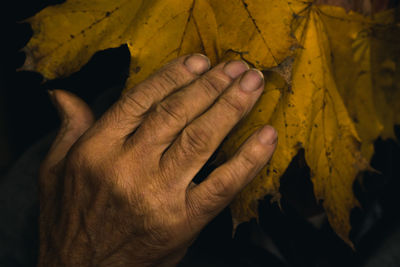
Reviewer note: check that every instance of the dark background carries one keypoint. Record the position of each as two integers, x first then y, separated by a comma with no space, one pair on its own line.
25,110
26,115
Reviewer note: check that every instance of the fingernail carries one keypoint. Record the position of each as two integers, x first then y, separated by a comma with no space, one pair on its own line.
268,135
252,80
235,68
56,104
197,63
51,96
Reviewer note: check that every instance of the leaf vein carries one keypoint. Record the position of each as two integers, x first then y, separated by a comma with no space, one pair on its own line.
258,30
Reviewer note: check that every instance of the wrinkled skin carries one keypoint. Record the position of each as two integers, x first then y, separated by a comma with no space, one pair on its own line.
118,191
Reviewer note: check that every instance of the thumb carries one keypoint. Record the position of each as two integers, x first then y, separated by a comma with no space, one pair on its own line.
76,117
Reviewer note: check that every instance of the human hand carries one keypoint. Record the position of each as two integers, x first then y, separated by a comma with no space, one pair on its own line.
119,191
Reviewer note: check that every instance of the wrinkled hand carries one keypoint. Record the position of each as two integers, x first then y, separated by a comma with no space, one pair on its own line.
119,191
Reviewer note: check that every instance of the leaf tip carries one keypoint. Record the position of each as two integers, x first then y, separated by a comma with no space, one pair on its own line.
235,224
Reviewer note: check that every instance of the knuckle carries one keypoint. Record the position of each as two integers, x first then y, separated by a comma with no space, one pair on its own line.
169,77
212,85
138,101
195,140
248,162
233,106
220,188
196,207
171,111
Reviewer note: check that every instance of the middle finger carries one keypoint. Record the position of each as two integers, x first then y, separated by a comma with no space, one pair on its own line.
171,115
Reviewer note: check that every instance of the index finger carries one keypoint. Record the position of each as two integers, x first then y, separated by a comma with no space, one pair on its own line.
127,113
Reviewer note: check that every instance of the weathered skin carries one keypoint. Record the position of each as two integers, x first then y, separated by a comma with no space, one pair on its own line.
119,191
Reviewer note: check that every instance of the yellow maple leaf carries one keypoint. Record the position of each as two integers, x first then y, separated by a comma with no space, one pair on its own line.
310,115
328,88
332,109
67,35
